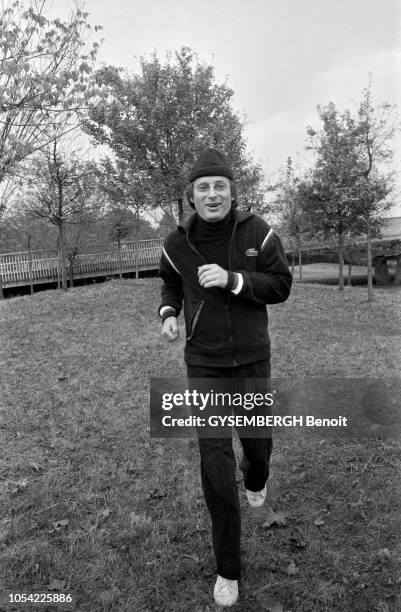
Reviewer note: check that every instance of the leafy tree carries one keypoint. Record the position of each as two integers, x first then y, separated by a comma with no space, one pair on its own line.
8,188
166,225
158,122
30,234
22,231
124,187
330,197
122,223
120,220
77,234
45,69
288,205
130,195
349,191
7,191
251,186
377,127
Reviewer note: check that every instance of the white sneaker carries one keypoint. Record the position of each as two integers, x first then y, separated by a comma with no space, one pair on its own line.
225,591
256,498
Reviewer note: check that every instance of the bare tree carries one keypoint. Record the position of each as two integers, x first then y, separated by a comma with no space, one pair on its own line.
61,185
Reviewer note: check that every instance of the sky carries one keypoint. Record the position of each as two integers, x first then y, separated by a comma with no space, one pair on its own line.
281,57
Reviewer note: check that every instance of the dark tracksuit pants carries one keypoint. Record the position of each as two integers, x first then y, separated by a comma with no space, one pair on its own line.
218,473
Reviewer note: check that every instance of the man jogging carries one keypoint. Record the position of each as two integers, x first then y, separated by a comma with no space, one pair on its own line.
225,265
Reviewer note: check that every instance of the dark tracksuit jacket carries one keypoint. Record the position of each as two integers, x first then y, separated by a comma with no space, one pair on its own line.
222,328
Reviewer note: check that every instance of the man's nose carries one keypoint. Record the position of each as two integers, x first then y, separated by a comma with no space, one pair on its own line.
212,193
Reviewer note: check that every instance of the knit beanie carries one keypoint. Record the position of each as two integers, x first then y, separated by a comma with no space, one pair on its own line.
211,163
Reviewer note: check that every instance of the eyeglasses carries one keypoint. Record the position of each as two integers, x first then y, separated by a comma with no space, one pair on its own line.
218,186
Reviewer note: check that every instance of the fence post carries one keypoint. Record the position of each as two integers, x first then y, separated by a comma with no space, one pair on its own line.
369,262
120,263
30,270
71,271
136,259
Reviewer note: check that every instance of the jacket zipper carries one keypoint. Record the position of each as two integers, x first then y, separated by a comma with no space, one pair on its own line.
193,248
197,313
230,243
199,308
195,319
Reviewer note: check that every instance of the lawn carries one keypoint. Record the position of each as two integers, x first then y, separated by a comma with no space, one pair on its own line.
328,272
91,505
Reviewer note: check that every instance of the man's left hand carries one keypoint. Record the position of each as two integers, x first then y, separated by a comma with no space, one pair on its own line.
211,275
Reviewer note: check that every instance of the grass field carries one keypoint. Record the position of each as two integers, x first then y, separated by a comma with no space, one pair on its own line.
328,272
90,504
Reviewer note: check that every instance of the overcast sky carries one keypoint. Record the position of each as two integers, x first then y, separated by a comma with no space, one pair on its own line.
281,57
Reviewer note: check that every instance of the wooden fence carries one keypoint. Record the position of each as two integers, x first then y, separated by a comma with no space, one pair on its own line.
37,267
18,269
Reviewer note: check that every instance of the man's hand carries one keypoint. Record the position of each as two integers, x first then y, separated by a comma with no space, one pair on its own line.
211,275
170,329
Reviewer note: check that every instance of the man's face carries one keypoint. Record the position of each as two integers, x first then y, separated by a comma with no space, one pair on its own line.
212,197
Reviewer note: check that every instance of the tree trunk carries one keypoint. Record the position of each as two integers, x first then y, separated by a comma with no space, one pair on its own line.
1,273
300,264
61,258
136,259
137,245
30,270
349,274
180,208
58,263
369,262
71,272
120,263
340,261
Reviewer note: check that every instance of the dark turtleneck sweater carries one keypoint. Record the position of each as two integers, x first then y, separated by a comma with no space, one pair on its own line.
212,239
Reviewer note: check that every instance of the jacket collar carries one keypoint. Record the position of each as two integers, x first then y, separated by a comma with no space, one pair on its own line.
239,217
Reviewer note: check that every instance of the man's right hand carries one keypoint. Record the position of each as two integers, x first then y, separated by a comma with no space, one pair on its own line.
170,329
